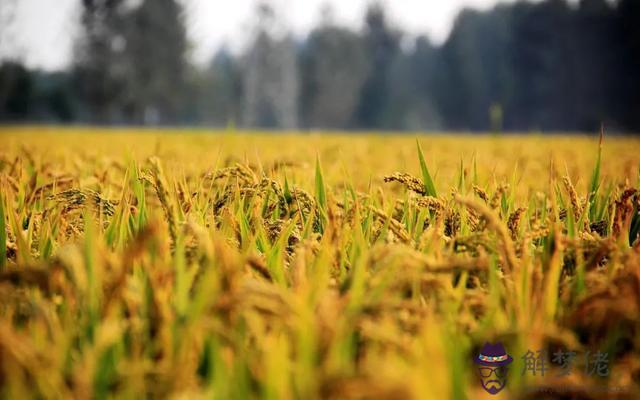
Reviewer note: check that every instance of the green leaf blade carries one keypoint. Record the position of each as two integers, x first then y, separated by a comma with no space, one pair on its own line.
426,176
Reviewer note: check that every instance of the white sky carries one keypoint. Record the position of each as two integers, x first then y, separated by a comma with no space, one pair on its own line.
43,30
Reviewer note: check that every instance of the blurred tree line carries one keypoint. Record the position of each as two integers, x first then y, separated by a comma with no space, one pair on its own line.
548,65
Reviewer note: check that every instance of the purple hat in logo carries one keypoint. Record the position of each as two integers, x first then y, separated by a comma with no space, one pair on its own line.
493,355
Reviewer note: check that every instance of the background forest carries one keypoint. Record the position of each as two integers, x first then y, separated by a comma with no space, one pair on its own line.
548,66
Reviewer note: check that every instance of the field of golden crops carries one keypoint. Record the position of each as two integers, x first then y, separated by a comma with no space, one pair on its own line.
235,265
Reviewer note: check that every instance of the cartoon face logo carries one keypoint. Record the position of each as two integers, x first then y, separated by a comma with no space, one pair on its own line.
493,363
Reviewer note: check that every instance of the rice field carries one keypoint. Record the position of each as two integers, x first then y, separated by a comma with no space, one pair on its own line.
247,265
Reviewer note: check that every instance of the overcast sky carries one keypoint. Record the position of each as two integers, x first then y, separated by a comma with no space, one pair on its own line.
43,30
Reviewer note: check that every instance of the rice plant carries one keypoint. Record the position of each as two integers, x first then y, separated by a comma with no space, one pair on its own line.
184,265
